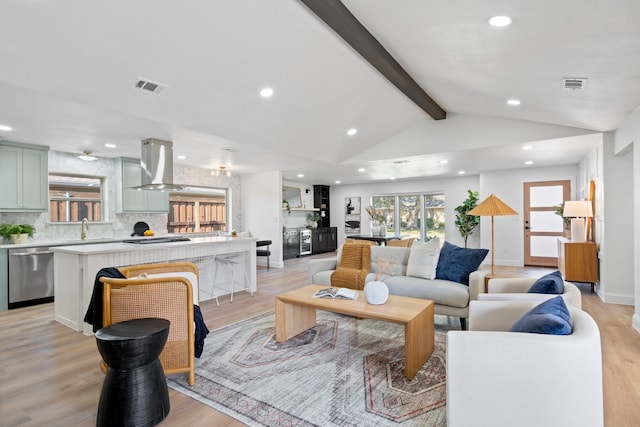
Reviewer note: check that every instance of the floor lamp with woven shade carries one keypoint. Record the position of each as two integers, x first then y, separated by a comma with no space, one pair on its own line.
492,206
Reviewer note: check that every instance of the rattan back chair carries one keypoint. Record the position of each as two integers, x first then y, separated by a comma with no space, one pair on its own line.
359,241
167,297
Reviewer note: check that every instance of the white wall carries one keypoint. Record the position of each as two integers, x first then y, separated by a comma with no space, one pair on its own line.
455,191
508,186
636,233
627,137
615,203
262,211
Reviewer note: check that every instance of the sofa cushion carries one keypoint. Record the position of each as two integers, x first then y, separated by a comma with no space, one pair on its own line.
397,257
550,317
443,292
456,263
551,283
423,259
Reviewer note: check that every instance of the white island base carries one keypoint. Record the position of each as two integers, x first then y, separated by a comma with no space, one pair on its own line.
75,268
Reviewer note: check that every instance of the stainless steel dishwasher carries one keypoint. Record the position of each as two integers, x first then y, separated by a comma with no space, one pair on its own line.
30,276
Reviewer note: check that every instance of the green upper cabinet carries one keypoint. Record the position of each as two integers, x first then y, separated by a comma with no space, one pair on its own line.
24,177
129,200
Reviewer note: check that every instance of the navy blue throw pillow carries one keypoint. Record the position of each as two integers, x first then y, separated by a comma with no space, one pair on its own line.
551,283
456,263
551,317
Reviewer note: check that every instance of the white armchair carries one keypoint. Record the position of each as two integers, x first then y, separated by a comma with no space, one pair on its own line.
515,288
497,378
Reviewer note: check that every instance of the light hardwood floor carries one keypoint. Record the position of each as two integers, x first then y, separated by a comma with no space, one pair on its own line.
49,374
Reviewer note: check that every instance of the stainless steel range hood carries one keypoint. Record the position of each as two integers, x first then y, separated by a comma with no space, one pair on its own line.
156,163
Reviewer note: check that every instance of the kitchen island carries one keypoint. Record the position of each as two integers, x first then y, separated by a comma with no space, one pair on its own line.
75,267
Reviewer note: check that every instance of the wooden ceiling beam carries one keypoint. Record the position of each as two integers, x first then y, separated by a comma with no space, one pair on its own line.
341,20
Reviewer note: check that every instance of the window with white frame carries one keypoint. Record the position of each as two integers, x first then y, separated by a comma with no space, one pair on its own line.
419,215
73,198
200,210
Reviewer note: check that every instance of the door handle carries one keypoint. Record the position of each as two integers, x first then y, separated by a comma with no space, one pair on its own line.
31,253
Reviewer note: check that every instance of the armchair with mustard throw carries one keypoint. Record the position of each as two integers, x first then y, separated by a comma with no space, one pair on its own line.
163,291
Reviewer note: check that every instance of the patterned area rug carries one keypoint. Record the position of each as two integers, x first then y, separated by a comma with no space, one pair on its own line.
343,372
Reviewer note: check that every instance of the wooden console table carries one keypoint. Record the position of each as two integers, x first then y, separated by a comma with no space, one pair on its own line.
578,261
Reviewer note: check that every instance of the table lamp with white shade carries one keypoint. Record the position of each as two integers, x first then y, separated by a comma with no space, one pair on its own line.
578,211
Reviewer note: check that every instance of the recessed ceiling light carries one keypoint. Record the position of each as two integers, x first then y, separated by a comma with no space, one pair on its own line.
337,182
110,145
5,127
513,102
352,131
499,21
300,175
461,172
392,178
182,157
361,169
528,162
444,162
527,147
266,92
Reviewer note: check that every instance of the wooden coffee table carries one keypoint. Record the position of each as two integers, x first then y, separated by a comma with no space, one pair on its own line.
296,312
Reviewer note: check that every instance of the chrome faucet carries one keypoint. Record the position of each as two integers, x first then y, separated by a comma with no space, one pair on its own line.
84,226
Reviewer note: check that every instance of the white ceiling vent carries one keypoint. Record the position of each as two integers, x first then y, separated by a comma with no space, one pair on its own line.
150,86
574,83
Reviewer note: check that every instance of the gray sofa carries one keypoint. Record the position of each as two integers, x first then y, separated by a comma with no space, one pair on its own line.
450,298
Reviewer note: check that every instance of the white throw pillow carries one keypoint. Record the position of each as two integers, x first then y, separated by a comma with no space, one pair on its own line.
423,259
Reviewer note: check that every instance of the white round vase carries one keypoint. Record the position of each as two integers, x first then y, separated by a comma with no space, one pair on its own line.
376,292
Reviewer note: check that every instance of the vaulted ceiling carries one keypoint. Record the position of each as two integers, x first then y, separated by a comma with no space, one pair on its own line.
68,72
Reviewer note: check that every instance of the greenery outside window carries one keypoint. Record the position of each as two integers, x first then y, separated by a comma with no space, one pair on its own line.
72,198
385,206
198,210
434,215
419,215
409,214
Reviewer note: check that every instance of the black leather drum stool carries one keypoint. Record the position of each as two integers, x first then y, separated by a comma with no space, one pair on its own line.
135,391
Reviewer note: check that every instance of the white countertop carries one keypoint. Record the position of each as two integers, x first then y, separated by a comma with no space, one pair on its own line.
104,240
119,246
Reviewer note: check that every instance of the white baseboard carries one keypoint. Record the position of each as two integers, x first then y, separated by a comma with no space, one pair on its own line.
610,298
635,321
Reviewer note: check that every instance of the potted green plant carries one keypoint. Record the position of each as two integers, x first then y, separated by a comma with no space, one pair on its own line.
467,223
313,218
16,233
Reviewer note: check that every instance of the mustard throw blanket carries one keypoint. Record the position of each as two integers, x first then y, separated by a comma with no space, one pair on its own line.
354,266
